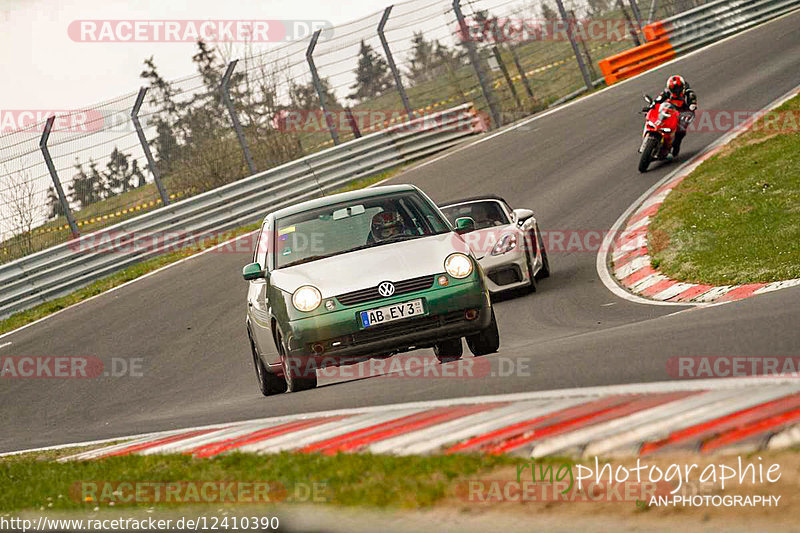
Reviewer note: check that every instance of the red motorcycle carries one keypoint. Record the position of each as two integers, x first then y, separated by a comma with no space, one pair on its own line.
660,128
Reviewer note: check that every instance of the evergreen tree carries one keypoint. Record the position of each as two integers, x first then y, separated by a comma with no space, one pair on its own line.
372,75
86,188
422,58
54,207
304,97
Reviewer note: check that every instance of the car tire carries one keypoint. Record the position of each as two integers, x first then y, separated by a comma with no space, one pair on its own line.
531,275
294,382
449,350
485,342
544,272
268,383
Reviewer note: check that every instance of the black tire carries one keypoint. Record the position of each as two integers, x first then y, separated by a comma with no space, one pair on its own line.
532,287
485,342
544,272
449,350
647,153
295,376
268,383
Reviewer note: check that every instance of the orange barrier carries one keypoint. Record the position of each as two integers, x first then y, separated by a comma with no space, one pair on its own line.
656,30
636,60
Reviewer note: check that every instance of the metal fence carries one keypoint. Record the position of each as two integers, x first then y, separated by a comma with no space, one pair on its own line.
235,118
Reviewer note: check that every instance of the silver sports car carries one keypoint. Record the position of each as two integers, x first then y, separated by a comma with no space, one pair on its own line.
507,242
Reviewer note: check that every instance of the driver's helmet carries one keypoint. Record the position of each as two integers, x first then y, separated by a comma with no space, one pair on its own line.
676,86
386,225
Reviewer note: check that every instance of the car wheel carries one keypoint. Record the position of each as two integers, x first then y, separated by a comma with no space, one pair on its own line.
485,342
449,350
268,382
296,377
531,276
544,272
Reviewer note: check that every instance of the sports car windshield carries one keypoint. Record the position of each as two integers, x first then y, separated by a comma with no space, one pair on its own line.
355,225
486,214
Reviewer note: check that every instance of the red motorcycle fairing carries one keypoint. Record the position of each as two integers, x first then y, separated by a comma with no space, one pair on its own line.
662,121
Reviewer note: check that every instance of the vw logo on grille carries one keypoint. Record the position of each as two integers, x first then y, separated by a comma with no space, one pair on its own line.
386,289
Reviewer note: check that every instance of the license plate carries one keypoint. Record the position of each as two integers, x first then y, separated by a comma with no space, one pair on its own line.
381,315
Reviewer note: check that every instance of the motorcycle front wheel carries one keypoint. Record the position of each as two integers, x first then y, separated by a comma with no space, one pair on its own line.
647,153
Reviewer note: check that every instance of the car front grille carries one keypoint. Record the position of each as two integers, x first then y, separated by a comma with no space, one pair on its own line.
400,287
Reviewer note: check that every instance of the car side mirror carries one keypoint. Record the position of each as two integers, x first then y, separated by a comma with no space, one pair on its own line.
464,225
521,215
252,272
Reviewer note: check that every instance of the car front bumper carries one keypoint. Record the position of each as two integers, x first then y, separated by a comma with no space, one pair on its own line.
507,271
341,336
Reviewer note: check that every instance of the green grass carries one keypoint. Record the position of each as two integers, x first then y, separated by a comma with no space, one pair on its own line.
736,218
346,479
140,269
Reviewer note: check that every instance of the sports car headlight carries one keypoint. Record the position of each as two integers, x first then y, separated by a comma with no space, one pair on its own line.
507,243
458,265
306,298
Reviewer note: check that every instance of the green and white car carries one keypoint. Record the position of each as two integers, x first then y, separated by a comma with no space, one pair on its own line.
361,274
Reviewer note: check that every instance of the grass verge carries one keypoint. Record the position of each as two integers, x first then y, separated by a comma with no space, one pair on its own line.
31,483
140,269
736,218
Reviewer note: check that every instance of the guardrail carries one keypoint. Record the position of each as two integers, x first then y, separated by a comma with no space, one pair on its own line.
61,269
690,30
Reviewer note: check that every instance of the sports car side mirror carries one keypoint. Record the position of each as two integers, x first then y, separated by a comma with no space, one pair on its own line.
252,272
521,215
464,225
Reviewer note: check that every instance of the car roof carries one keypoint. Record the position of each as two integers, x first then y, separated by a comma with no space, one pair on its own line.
473,199
359,194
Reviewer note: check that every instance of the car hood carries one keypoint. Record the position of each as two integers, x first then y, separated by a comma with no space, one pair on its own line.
367,268
482,241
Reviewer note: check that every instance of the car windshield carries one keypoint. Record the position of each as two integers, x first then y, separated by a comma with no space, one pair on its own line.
486,214
355,225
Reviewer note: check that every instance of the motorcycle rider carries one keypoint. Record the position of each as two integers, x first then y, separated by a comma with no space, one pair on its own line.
683,98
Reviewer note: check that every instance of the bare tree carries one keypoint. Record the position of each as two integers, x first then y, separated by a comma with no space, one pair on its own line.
22,209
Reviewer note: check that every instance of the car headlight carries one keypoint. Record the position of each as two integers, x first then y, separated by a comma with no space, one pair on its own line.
306,298
458,265
507,243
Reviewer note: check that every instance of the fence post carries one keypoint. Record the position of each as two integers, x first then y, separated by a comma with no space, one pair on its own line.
318,86
506,75
237,126
636,12
146,147
54,175
476,63
398,82
581,65
633,32
522,75
652,13
352,121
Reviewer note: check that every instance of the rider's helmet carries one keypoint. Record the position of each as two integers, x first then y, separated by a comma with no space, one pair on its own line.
386,225
676,86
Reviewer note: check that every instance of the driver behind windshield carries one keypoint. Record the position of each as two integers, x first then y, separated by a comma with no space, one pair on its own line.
387,225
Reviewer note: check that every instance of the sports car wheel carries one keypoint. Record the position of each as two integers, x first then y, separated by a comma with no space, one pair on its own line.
544,272
531,276
297,378
449,350
268,382
485,342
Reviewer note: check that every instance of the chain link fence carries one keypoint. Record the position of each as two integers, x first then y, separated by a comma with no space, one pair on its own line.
511,58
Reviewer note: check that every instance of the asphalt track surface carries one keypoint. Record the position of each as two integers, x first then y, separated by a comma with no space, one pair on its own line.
576,168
